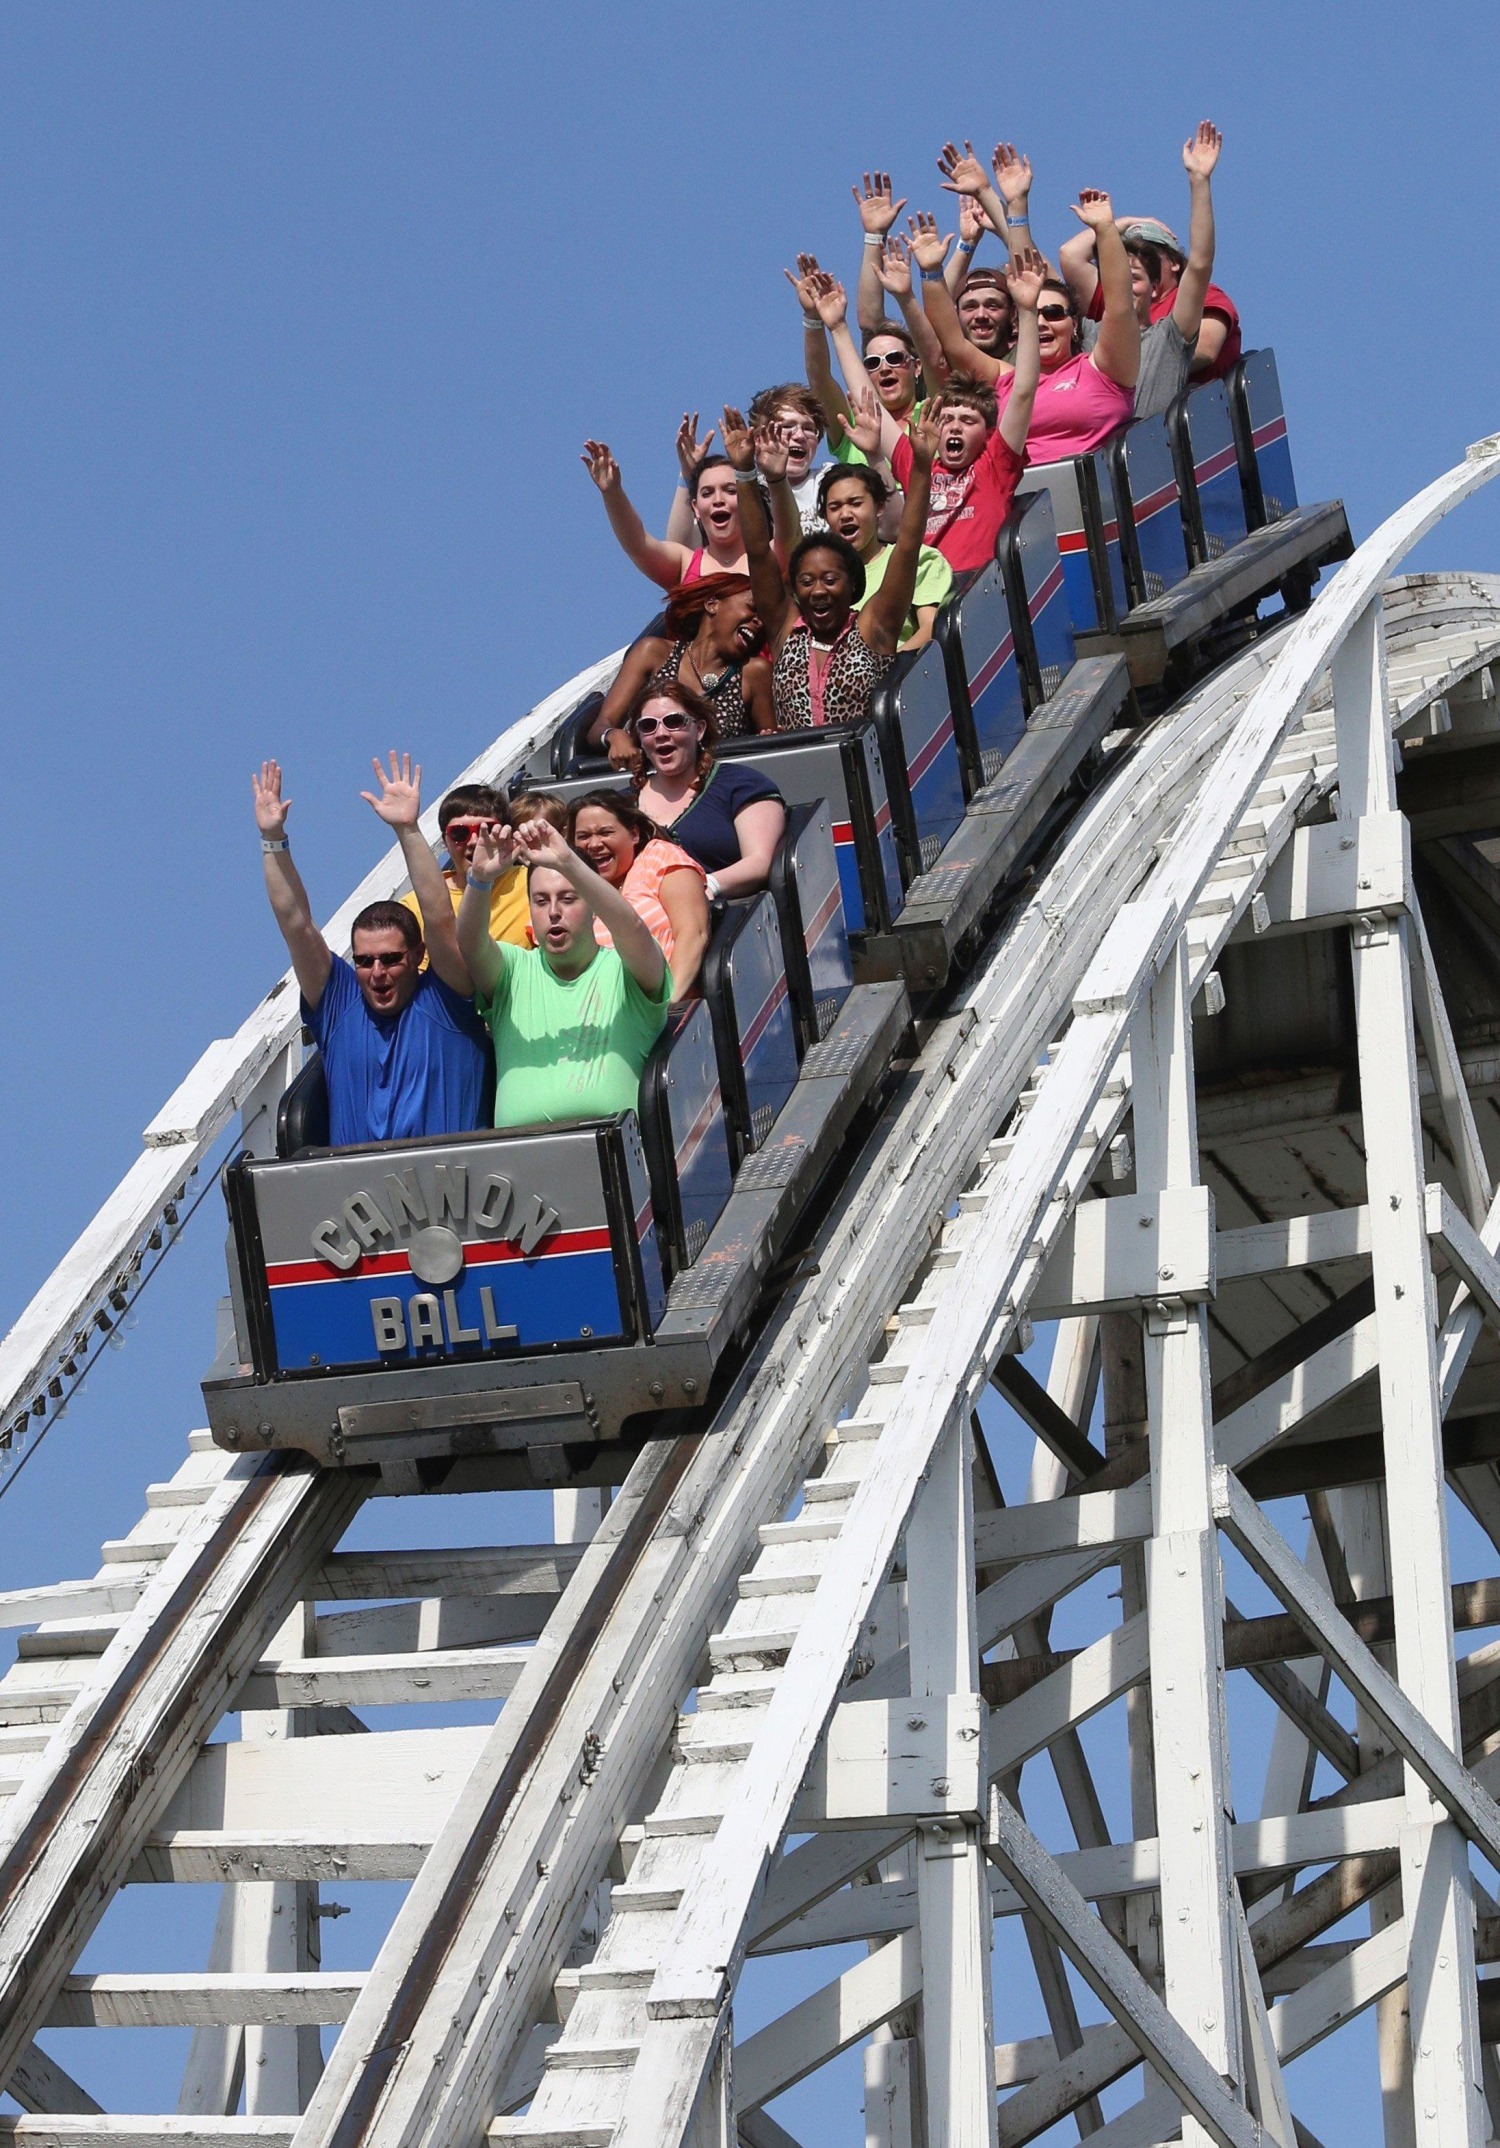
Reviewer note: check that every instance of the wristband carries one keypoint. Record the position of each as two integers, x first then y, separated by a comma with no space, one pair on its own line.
968,246
747,477
715,892
472,880
1011,217
268,846
812,320
874,238
933,275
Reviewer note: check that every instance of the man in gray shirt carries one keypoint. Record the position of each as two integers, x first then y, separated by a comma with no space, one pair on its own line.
1168,343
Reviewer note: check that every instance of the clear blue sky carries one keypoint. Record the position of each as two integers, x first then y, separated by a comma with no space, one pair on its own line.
304,313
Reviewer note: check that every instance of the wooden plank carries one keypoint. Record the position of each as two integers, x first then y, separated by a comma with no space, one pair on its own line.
1293,1242
403,1783
453,1674
838,2014
498,1570
184,2000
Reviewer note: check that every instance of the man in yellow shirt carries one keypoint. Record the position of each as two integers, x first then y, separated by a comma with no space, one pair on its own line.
460,817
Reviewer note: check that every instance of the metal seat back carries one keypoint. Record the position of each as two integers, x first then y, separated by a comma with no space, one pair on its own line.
844,764
686,1134
914,716
974,632
1261,437
1031,565
1153,542
810,906
1208,471
745,985
1088,536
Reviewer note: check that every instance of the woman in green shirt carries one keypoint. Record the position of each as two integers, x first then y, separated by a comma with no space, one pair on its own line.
572,1021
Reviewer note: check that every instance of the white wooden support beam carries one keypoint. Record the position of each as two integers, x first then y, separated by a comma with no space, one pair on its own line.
1130,1250
1265,2089
1426,1754
1337,871
1293,1242
1185,1597
828,2021
1436,1889
1447,1073
910,1761
953,1896
1466,1249
1114,1979
1089,1521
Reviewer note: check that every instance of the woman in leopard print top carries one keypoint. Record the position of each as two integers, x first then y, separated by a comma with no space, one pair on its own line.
826,658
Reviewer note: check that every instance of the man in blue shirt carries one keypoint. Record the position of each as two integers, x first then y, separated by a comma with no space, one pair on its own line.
403,1051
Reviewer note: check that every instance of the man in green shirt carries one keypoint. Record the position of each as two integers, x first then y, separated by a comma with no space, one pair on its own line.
572,1021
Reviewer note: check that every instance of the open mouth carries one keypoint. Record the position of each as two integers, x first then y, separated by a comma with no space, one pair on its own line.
953,447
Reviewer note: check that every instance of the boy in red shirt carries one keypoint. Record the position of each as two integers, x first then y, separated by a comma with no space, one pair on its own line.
982,451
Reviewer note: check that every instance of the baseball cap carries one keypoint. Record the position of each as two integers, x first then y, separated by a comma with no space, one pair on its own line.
1155,233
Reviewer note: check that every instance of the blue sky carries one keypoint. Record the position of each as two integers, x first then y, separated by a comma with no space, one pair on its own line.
304,313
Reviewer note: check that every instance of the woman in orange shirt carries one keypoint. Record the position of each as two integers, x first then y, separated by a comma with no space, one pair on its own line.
659,880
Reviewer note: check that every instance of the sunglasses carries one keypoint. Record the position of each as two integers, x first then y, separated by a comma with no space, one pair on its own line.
379,962
892,361
464,830
645,725
1053,313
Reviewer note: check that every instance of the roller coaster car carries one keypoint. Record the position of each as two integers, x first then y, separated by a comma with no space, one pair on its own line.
534,1294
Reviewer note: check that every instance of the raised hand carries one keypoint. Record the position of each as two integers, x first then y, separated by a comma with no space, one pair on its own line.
865,430
1200,152
877,211
1094,209
739,441
271,809
691,451
541,844
893,266
771,453
929,246
622,749
1024,278
601,465
1012,174
804,282
830,299
494,850
924,434
972,222
400,802
961,169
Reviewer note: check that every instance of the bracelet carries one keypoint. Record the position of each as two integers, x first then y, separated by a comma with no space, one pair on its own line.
472,880
874,238
932,275
968,246
747,477
1023,221
711,886
812,320
268,846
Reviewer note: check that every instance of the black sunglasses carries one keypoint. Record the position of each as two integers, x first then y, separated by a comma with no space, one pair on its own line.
1053,313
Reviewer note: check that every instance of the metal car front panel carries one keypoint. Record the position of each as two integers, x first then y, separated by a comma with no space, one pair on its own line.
421,1252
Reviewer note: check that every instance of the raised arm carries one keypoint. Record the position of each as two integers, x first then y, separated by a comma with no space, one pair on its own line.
399,805
831,397
877,213
635,944
767,584
882,619
691,455
833,312
965,176
972,226
1023,280
895,272
1012,169
311,960
1118,350
930,250
1200,153
494,853
642,658
660,561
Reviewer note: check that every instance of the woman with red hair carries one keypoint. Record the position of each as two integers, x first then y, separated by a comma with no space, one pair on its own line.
711,640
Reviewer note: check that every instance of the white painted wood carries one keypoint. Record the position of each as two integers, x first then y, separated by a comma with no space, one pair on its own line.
1121,1252
1113,1977
958,2037
194,2000
1339,870
130,2130
827,2022
906,1760
1293,1242
410,1786
890,2094
1441,1990
1089,1520
1184,1589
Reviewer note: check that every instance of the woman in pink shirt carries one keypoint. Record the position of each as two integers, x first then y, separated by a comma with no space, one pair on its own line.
666,887
1083,396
